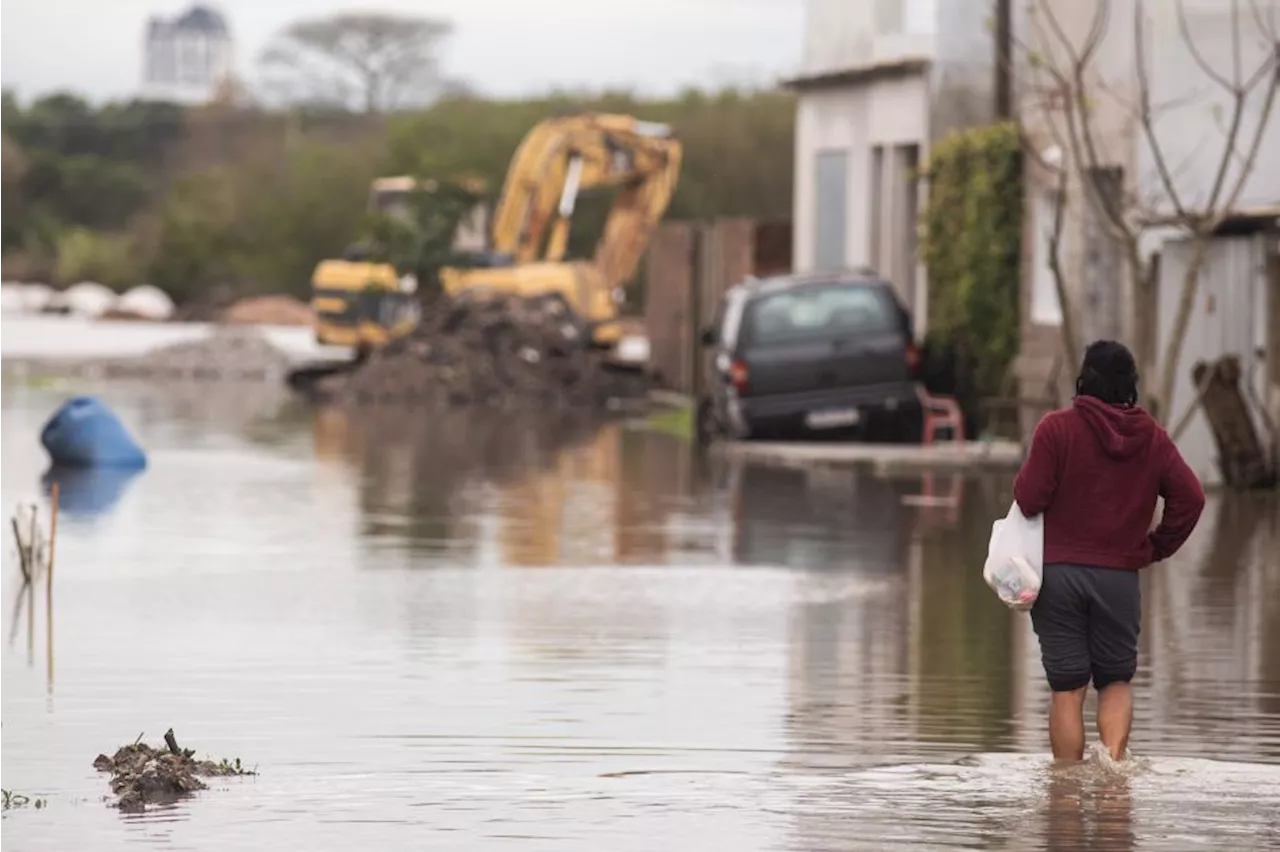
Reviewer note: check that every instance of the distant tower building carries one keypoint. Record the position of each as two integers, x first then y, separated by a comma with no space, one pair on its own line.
187,57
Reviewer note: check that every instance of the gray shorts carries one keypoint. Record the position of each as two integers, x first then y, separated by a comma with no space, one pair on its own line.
1088,621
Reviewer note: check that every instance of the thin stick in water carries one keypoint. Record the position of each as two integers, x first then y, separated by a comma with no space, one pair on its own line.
22,551
53,540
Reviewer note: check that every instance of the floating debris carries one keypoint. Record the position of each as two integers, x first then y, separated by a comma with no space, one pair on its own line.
142,775
17,800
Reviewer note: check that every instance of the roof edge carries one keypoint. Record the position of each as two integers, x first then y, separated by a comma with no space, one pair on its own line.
858,74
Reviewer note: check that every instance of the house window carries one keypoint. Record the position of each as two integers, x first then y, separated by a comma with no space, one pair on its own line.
876,209
832,194
1045,307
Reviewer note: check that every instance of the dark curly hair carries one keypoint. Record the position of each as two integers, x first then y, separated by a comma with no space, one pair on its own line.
1109,373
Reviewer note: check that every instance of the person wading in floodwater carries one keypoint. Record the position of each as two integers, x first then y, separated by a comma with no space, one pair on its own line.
1094,471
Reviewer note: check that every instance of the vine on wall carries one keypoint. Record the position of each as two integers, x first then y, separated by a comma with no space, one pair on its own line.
971,242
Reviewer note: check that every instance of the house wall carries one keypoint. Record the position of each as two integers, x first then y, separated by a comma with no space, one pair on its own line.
963,73
845,34
1194,111
899,113
879,229
1230,318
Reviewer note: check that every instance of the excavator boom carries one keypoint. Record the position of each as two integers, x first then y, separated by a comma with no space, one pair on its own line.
561,157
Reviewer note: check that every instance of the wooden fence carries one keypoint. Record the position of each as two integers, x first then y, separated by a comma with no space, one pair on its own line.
689,267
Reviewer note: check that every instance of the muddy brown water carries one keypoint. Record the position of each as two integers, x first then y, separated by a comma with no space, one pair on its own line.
464,633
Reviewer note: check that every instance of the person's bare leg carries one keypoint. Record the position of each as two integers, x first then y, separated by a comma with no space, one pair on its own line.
1066,724
1115,717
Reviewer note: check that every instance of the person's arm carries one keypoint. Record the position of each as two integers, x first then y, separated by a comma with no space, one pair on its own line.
1037,480
1183,503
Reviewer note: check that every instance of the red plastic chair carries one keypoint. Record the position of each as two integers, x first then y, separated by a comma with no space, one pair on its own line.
940,412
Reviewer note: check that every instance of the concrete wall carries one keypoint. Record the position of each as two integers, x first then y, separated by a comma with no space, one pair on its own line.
845,34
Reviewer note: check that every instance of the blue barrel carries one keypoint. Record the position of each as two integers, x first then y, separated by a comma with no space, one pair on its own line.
84,432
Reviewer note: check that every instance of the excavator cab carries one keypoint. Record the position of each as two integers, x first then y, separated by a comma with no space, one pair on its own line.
364,304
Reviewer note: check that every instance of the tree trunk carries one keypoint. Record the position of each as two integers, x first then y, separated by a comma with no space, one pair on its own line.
1070,342
1181,322
1146,314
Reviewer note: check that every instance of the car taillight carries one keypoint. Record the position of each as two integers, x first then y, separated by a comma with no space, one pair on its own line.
912,355
738,375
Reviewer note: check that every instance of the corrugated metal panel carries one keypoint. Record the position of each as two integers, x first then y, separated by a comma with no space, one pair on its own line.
1228,319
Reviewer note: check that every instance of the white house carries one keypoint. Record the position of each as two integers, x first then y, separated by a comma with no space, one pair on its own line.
1184,45
880,80
188,57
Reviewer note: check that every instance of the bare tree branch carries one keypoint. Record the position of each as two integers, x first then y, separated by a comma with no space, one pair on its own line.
1184,29
1251,156
1144,106
1078,114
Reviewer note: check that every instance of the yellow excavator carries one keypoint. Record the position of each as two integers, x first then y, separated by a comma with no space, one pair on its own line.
364,304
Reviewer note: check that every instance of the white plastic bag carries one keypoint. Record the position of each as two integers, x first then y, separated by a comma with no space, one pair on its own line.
1015,559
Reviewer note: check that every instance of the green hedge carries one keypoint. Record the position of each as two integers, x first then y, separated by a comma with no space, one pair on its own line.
971,242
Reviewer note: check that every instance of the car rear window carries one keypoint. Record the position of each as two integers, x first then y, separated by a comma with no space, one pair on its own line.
823,312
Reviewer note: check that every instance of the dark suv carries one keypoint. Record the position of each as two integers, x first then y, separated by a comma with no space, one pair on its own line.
827,353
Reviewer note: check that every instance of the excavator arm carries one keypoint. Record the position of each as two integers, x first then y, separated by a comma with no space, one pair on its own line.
561,157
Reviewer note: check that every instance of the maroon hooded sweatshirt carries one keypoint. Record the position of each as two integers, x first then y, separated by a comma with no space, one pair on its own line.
1094,470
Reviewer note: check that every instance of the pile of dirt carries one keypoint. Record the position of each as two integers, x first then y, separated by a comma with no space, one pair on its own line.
227,353
142,775
268,310
489,350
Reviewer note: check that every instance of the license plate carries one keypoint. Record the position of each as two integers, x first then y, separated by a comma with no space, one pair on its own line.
833,419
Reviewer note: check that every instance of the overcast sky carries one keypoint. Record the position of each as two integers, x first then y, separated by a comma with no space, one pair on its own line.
502,47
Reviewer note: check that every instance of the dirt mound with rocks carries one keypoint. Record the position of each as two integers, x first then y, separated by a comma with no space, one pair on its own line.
143,775
228,352
494,351
268,310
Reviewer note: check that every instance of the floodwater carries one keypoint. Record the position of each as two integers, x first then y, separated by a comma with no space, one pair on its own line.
452,633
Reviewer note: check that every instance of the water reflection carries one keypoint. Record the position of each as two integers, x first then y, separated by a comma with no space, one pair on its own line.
819,517
582,632
85,492
538,490
1089,809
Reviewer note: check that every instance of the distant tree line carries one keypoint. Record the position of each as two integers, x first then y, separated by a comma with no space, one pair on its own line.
233,198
